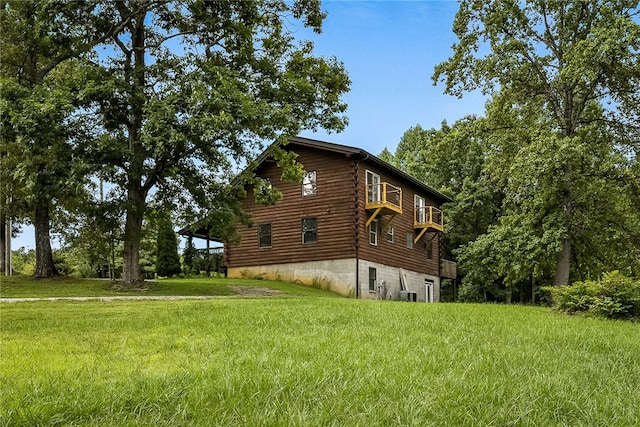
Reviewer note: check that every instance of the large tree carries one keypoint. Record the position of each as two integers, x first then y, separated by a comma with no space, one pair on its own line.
191,89
575,60
39,84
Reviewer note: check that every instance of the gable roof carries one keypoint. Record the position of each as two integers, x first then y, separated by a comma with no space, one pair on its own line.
362,155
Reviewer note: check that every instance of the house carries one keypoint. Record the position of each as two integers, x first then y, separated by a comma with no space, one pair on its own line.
355,224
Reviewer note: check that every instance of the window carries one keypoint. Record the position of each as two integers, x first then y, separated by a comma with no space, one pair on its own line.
410,240
374,195
390,234
264,235
309,187
373,280
420,209
373,232
309,230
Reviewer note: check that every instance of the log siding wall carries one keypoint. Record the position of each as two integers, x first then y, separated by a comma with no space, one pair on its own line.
397,254
332,206
339,207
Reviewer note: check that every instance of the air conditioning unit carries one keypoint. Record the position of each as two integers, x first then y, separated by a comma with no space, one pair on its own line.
409,296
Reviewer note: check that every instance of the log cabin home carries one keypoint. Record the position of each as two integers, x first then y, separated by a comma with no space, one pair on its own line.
355,225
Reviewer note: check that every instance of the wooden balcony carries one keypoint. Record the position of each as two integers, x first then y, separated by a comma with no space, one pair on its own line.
383,199
427,217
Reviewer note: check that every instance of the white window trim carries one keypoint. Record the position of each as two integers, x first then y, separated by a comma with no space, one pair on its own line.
313,183
373,233
420,202
391,234
376,192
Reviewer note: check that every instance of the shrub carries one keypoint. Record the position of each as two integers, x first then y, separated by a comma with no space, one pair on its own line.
615,296
167,258
86,270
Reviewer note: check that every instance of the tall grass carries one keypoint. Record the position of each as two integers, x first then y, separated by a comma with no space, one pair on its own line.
313,362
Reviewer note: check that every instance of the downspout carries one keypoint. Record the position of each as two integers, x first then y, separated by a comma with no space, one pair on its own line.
356,183
440,261
356,212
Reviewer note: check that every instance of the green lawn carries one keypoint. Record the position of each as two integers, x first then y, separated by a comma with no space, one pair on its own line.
28,287
313,361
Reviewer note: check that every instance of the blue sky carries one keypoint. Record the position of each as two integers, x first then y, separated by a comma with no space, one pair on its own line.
389,49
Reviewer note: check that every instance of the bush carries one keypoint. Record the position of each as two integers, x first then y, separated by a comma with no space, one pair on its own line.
615,296
85,271
167,258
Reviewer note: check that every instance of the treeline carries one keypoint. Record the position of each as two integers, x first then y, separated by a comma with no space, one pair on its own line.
546,185
502,227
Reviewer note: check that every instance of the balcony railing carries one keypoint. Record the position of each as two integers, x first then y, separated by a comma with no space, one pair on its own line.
384,195
383,199
428,217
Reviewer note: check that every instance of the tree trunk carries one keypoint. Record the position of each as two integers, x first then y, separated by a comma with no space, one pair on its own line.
563,261
131,275
136,194
44,255
563,264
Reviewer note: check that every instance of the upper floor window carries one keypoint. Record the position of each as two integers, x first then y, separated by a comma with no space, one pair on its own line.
309,187
309,230
390,234
264,235
373,233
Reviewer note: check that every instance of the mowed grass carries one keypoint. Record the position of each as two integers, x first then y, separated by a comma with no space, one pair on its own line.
28,287
313,362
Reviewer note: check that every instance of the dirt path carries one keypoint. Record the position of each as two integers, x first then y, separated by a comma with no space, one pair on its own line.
240,291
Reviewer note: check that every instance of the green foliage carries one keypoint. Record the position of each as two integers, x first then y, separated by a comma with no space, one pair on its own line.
167,258
23,261
615,296
558,147
86,271
189,256
178,94
238,79
41,146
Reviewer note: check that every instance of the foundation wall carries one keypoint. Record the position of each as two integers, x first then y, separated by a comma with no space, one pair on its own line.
340,276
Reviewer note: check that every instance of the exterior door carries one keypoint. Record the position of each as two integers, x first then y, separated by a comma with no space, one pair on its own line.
420,210
373,188
428,289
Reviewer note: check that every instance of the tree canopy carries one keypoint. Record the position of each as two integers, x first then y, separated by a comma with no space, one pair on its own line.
174,97
575,65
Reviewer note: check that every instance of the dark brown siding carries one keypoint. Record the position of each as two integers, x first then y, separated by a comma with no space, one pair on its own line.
397,254
341,221
333,207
